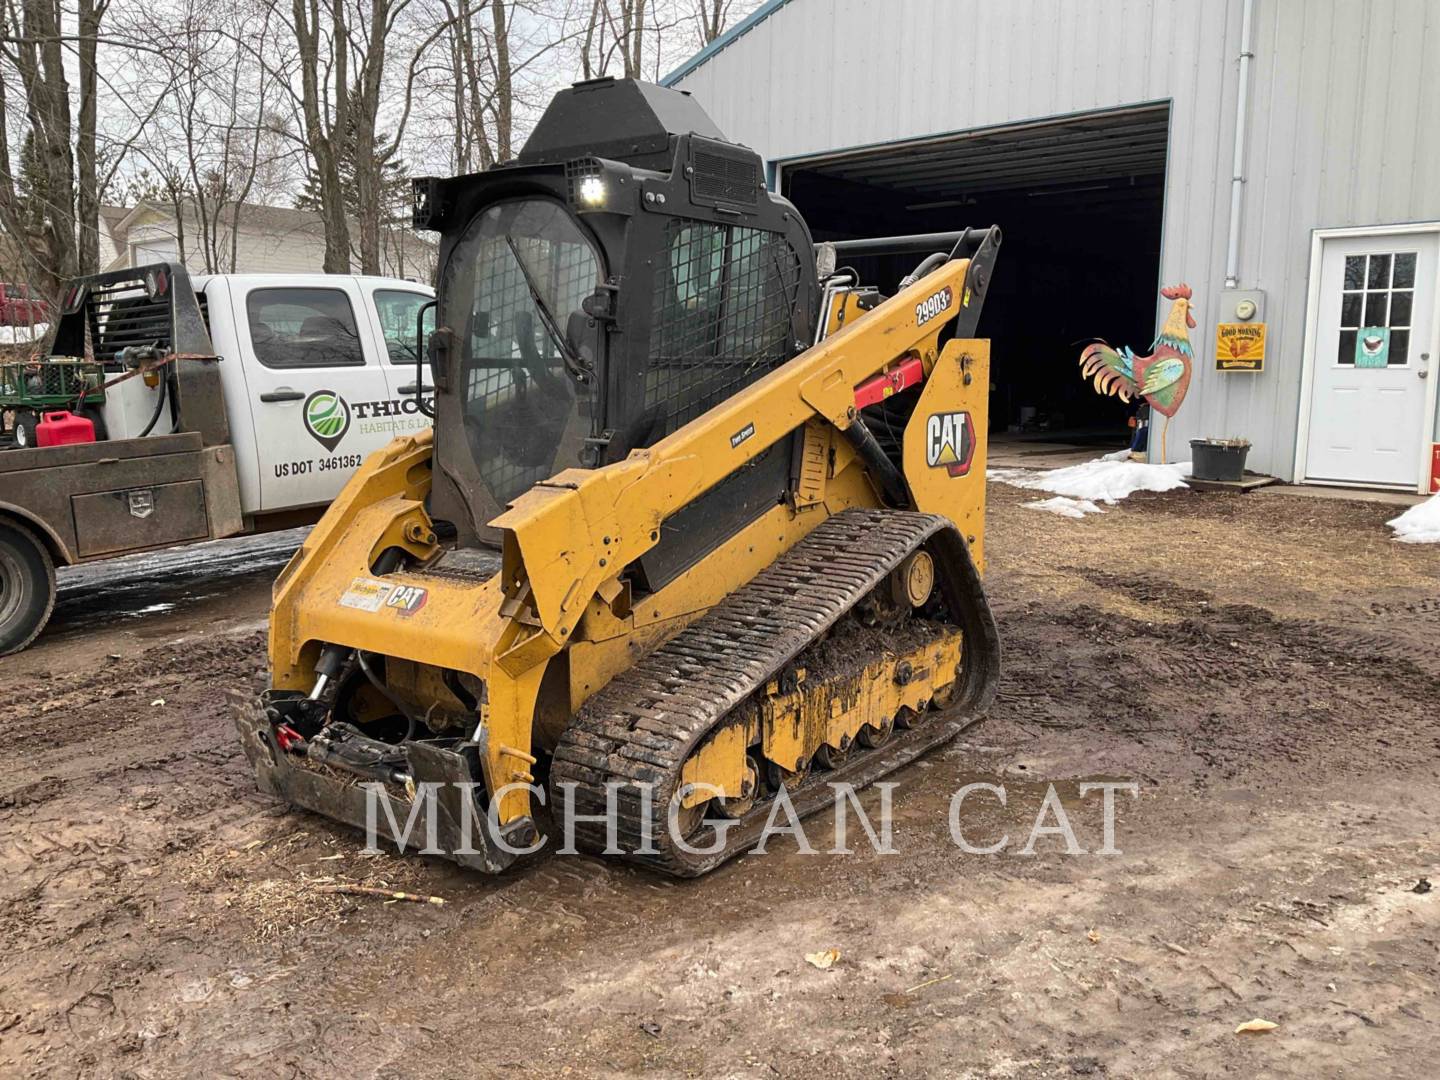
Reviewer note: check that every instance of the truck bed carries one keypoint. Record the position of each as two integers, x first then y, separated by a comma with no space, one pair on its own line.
95,499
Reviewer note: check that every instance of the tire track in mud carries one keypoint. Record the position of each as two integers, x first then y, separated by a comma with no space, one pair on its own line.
103,782
108,801
102,722
1427,609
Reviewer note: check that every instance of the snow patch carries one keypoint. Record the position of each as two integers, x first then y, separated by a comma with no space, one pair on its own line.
1420,524
1071,508
1105,480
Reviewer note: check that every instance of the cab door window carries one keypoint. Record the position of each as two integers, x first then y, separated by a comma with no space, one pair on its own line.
304,328
398,309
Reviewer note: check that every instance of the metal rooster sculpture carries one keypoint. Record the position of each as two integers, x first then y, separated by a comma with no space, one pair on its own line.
1160,378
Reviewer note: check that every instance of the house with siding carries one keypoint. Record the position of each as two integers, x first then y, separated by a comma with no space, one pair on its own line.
1277,156
242,238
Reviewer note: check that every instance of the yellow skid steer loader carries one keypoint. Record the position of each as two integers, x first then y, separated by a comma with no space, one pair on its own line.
697,523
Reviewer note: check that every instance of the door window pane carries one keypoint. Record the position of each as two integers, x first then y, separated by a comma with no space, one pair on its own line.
398,310
1404,270
1379,275
1346,353
1399,348
1379,291
1354,271
304,328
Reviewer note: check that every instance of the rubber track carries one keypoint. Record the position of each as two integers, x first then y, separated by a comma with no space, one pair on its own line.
640,729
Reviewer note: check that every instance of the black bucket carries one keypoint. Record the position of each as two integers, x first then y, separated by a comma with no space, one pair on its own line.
1212,460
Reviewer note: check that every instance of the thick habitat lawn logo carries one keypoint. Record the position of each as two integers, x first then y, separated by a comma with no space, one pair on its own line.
327,417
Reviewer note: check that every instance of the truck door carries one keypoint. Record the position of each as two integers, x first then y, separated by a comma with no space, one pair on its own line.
318,390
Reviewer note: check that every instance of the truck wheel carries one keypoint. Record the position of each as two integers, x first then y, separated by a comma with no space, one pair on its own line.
27,587
25,423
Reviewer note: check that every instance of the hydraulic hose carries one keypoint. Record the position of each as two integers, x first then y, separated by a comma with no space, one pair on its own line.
891,482
159,404
333,656
385,691
930,262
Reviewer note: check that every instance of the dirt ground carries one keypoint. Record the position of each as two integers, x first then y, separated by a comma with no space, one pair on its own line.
1266,669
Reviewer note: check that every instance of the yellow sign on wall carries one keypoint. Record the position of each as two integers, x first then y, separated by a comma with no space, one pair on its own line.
1240,346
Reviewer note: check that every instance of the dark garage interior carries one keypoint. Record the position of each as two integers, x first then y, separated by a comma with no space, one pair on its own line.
1080,204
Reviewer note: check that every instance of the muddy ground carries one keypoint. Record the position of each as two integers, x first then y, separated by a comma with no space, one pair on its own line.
1265,668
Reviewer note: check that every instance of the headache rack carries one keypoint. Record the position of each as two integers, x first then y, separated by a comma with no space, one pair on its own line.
152,305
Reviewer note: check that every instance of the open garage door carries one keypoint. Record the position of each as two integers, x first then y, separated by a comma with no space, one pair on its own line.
1080,203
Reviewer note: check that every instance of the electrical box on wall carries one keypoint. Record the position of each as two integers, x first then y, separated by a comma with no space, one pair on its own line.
1240,331
1241,305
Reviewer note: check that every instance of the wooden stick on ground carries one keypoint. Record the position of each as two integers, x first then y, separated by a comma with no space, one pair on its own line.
388,894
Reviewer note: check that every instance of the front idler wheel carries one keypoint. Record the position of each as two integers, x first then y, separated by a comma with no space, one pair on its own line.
690,819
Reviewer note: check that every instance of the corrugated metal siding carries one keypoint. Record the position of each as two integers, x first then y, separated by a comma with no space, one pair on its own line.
1336,88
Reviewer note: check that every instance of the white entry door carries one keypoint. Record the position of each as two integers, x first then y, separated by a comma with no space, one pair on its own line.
1372,362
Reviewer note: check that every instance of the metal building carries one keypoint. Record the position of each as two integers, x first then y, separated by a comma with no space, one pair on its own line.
1280,152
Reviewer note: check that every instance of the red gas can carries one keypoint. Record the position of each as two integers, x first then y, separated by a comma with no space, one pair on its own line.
63,428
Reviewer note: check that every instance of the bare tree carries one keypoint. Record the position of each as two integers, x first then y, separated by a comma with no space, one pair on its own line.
594,43
346,68
236,99
51,217
325,102
216,132
501,60
90,13
710,15
501,70
630,34
33,44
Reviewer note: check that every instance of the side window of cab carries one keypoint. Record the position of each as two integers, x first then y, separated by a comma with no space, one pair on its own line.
398,310
304,328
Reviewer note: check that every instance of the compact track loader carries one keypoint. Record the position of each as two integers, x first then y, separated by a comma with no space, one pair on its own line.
696,523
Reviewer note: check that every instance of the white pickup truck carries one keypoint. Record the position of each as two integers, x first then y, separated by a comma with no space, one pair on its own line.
251,400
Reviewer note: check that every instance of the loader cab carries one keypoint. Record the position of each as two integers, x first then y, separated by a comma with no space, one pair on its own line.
625,274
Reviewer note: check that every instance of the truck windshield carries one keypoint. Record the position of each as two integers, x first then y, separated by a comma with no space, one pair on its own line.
512,292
